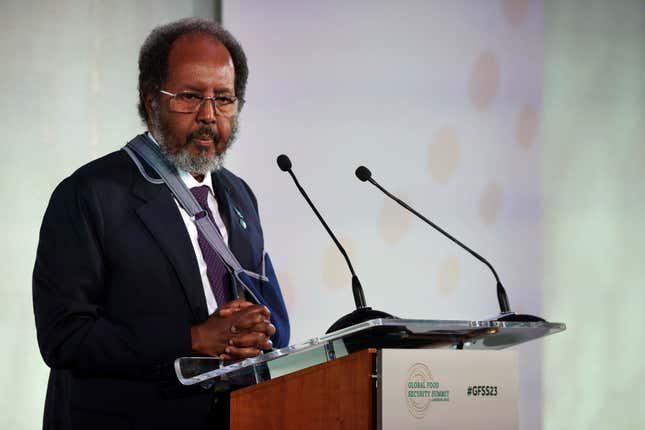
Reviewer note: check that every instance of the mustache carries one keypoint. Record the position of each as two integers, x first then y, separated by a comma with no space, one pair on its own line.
204,131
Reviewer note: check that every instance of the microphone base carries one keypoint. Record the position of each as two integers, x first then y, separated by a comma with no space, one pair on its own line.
513,317
356,317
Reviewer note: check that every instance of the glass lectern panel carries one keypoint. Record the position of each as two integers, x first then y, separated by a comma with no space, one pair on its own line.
377,333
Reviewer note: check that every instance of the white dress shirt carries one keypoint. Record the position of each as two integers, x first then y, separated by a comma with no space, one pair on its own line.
191,227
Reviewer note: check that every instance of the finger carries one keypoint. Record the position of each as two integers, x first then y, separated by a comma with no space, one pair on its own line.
261,309
264,327
235,352
238,307
226,312
261,344
250,316
247,339
252,340
231,307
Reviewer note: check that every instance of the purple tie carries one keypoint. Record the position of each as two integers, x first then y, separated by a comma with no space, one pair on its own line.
215,268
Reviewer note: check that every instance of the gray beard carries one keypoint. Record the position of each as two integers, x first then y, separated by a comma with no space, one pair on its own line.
201,164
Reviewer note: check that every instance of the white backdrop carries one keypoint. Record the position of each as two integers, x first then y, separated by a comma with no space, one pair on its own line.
442,100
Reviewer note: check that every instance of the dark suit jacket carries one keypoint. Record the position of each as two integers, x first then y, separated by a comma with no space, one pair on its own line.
116,290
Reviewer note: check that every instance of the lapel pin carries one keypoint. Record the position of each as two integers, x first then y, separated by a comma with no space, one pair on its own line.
241,217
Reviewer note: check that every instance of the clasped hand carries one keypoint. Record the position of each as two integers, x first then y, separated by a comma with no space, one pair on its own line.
238,329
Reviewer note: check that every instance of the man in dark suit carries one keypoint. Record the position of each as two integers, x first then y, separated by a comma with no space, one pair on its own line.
123,282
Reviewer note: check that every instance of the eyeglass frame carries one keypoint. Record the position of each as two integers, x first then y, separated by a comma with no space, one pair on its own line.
203,99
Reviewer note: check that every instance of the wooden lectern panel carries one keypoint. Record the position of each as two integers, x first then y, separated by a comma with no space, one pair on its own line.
339,394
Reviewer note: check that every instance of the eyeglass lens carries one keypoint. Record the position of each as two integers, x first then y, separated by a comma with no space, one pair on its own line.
189,103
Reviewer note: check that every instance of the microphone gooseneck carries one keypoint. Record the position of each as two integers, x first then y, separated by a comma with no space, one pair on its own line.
285,165
362,312
365,175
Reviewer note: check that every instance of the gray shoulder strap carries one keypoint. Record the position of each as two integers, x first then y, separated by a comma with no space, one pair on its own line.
149,152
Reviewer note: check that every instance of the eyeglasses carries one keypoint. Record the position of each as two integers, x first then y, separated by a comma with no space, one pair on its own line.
191,102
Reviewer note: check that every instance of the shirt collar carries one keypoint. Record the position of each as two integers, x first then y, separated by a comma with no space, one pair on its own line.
188,179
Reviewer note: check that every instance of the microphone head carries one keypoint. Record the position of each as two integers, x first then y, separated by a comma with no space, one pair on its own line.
284,163
363,173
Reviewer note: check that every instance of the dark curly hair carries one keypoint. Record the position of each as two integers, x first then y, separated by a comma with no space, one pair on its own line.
153,57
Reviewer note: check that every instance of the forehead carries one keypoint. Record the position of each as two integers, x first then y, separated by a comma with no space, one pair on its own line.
198,60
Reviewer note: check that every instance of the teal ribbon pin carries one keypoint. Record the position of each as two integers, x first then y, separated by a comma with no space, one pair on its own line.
241,217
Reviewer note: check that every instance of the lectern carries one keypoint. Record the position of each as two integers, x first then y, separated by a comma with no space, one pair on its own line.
383,373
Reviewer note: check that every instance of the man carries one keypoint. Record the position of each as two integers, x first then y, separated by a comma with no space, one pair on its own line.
124,283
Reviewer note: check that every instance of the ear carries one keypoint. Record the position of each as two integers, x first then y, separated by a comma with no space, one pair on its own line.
147,101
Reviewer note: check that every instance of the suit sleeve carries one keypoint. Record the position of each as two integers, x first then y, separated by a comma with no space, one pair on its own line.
69,285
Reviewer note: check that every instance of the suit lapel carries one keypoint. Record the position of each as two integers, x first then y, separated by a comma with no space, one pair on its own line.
240,223
160,214
225,206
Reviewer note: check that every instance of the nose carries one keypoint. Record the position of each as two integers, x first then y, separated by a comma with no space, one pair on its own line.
206,113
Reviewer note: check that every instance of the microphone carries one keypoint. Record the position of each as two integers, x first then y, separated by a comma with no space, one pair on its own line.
362,312
284,163
364,175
